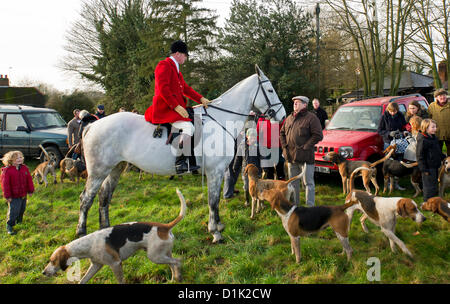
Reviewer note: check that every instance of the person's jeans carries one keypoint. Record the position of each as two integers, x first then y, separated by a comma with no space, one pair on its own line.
16,210
296,169
231,177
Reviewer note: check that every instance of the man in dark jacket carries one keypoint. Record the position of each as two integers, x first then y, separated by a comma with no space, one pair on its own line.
100,111
320,113
298,135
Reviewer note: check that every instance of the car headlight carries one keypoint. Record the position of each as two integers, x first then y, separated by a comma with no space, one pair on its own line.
346,152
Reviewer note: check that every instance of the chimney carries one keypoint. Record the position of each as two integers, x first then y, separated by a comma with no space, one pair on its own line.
4,81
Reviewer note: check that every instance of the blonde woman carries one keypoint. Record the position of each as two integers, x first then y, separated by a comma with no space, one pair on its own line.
16,185
429,156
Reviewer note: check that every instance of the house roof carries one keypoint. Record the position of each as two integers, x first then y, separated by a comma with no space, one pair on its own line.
22,96
410,80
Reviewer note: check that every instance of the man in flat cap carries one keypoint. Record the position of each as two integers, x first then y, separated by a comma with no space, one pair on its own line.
439,110
169,103
298,136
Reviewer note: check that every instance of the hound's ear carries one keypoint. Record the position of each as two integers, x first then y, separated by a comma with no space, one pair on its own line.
401,208
246,169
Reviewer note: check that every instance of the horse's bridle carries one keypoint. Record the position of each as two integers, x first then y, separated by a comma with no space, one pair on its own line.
269,112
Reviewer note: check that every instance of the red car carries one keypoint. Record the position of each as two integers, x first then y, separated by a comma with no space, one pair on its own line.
352,131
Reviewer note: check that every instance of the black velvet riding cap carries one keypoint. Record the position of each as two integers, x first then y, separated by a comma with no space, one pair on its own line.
179,46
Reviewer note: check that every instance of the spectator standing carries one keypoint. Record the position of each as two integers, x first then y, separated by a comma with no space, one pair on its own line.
270,148
391,121
439,111
73,128
429,156
16,184
299,134
100,111
320,113
414,108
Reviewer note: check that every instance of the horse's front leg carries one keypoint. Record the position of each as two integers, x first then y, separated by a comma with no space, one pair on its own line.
86,200
215,226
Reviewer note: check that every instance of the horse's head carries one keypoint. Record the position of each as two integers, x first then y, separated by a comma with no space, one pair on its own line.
266,100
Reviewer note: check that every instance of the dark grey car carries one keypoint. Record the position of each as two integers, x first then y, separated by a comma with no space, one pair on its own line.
24,128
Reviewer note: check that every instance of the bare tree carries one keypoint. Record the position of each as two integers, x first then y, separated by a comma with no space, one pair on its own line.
431,41
378,33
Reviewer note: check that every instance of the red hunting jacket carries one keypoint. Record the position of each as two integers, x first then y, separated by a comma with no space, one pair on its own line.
16,183
170,89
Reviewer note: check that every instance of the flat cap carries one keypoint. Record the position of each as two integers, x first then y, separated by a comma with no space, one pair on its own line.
303,99
440,91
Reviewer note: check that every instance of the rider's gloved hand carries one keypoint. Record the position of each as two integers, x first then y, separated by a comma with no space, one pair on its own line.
205,102
182,111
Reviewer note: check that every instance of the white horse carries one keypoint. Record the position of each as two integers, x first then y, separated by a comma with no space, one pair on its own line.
126,137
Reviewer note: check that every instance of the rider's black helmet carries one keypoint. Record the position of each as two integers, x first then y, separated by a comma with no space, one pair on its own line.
179,46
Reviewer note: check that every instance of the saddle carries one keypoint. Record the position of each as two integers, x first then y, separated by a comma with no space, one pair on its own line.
170,134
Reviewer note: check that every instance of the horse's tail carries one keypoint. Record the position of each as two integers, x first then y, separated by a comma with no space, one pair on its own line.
182,211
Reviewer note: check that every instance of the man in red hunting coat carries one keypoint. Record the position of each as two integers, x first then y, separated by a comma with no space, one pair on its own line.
169,102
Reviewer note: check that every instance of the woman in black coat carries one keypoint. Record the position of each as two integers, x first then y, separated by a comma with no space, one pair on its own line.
391,121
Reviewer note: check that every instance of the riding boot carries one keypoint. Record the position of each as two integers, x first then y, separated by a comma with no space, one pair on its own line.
193,165
182,165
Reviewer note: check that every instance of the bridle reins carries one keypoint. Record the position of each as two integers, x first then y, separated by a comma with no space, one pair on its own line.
269,111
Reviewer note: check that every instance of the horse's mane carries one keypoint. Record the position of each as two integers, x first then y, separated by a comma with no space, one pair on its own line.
230,89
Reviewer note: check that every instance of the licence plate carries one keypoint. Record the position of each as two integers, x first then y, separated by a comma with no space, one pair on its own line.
322,169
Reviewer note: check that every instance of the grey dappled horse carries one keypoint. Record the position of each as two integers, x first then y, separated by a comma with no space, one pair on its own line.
119,138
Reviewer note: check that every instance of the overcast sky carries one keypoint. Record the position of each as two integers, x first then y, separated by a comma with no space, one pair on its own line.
32,35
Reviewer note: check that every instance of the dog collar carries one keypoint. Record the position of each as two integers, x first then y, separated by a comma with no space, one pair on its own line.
285,217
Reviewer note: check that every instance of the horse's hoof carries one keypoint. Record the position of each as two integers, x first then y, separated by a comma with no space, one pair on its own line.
220,227
218,239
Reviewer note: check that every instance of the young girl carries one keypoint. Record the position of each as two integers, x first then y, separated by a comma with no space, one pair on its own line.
16,184
429,156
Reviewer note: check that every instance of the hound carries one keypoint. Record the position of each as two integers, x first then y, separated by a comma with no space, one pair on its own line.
383,212
43,169
346,168
300,221
112,245
438,205
73,169
444,176
260,188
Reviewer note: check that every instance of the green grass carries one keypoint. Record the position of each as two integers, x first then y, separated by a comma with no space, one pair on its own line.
254,251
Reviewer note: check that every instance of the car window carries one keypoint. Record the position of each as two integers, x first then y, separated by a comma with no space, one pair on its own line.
358,118
423,104
1,121
45,120
13,121
402,108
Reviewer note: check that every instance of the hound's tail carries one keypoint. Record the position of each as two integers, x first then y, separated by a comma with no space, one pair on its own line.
352,176
391,150
414,164
47,157
297,177
182,211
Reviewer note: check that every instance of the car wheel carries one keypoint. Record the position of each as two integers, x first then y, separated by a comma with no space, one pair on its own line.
54,153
